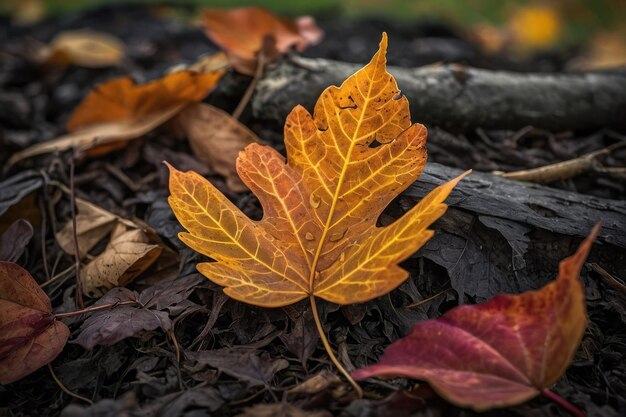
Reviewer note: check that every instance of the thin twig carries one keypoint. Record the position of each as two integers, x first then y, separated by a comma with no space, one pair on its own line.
58,276
245,99
426,300
79,284
42,231
563,170
66,390
610,279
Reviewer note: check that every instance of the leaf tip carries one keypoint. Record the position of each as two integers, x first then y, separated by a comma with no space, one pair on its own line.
170,167
456,180
384,42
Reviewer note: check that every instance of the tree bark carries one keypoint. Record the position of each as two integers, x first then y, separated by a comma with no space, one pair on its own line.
460,98
504,236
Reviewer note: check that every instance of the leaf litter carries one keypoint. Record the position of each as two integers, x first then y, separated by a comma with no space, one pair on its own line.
144,371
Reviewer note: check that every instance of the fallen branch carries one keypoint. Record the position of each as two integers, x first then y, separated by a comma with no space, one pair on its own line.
512,234
557,211
462,98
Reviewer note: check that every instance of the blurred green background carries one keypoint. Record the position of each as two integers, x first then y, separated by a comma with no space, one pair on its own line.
566,21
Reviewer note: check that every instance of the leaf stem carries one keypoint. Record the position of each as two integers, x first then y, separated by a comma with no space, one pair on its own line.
95,308
562,402
320,330
65,389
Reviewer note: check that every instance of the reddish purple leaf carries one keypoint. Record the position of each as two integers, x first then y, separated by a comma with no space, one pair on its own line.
499,353
30,337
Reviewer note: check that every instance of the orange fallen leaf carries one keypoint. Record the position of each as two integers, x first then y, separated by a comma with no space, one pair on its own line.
120,110
30,337
499,353
122,99
241,32
318,236
216,138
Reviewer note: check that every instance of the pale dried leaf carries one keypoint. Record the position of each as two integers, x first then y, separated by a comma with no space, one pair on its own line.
101,135
127,255
92,224
86,48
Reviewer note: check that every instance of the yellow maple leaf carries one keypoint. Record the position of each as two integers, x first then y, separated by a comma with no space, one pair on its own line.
318,235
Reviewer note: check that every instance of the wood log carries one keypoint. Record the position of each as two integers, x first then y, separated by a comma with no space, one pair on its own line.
461,98
507,236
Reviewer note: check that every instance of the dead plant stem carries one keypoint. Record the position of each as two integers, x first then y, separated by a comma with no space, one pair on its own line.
79,284
66,390
95,308
245,99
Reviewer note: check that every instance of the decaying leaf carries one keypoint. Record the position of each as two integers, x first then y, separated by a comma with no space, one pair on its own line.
323,381
15,189
241,32
85,48
281,409
127,255
14,240
318,236
241,363
120,110
150,312
499,353
30,337
216,138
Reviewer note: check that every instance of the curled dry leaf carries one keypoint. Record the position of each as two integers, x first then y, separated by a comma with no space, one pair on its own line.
499,353
318,235
241,32
85,48
120,110
30,337
128,254
216,138
92,224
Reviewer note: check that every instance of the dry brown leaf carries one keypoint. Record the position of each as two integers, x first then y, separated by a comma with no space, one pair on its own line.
100,139
92,224
85,48
211,62
281,409
120,110
605,50
128,254
241,32
216,138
